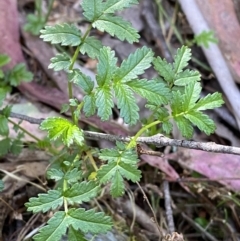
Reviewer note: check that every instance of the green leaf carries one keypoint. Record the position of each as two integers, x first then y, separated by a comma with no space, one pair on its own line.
116,26
1,185
186,77
89,221
164,69
181,59
81,192
126,103
89,106
205,38
73,176
91,46
151,90
19,74
55,174
60,62
92,9
117,187
4,130
34,24
176,103
202,121
55,228
104,102
82,80
16,147
106,66
4,146
111,6
167,127
192,94
134,65
4,59
45,201
120,152
3,93
184,125
210,101
107,172
58,127
63,34
75,235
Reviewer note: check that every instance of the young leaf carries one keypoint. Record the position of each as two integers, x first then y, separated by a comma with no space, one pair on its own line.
59,127
91,46
55,174
181,59
126,103
55,228
164,69
72,176
202,121
81,192
210,101
205,38
4,59
111,6
186,77
45,201
89,221
19,74
60,62
89,106
104,102
16,147
134,65
81,80
34,24
115,25
191,95
92,9
63,34
106,66
151,90
75,235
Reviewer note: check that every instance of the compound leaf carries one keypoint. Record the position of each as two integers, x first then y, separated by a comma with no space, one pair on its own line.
126,103
89,221
91,46
106,172
45,201
210,101
184,125
106,66
186,77
58,127
63,34
202,121
55,174
164,69
181,59
115,25
75,235
151,90
81,192
117,187
134,65
104,102
34,23
205,38
55,228
60,62
72,176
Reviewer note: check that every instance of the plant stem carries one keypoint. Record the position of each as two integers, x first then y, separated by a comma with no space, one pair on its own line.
65,187
49,10
140,132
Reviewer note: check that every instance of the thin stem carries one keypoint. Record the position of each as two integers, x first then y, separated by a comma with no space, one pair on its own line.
89,155
141,131
25,131
49,10
65,187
